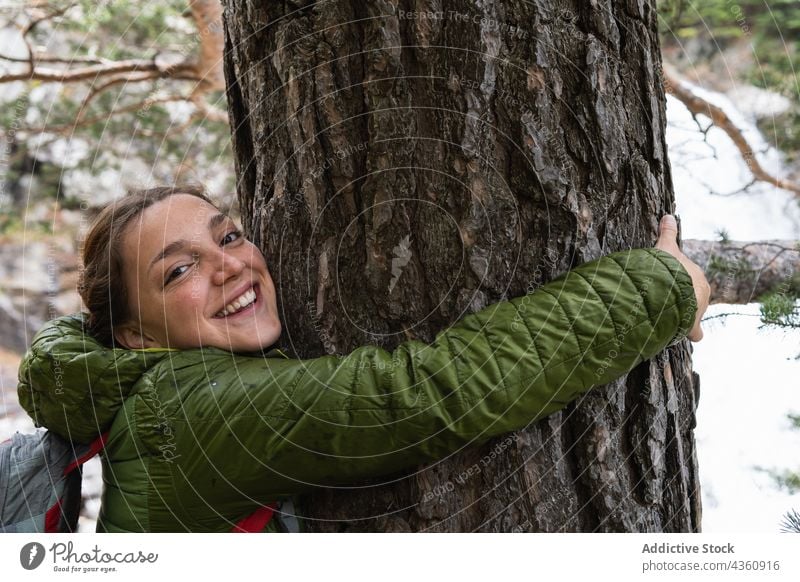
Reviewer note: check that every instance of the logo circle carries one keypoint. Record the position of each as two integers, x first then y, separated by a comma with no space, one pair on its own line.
31,555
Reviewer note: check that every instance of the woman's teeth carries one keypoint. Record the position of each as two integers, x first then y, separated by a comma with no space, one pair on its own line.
243,301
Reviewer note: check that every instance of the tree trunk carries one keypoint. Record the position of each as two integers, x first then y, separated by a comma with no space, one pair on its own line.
402,164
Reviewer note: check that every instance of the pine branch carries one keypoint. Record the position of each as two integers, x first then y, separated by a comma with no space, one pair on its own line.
791,522
95,72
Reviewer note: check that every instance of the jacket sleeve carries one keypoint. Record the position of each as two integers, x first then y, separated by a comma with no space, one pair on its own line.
337,419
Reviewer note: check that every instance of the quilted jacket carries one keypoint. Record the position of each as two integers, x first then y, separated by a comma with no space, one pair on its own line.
198,439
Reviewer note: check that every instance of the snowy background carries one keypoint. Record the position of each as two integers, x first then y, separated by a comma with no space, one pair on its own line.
749,377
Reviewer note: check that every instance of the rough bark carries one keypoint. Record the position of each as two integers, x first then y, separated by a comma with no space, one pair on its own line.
400,171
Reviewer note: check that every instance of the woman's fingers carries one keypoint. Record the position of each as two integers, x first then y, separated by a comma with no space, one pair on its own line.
696,334
668,241
702,291
668,235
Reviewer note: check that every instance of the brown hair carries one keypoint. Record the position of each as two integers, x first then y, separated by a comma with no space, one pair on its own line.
101,284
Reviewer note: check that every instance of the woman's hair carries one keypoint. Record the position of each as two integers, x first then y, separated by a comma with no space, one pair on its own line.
101,283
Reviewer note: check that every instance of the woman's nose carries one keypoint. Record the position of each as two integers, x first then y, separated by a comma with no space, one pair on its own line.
227,266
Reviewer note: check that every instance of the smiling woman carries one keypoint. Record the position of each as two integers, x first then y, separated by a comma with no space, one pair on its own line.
200,434
165,268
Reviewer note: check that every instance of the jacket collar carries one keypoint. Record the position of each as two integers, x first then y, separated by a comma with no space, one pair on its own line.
72,384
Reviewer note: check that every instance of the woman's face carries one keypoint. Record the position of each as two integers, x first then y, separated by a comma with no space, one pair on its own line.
193,280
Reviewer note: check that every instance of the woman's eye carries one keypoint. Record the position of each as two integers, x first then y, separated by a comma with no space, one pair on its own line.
176,272
234,233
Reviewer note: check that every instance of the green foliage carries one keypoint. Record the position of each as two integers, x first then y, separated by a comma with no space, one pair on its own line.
115,30
11,224
729,19
780,309
791,522
783,131
720,266
123,29
12,114
70,203
771,27
788,481
795,420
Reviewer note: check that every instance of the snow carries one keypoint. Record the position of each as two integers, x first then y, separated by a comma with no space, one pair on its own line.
749,377
756,102
762,212
748,384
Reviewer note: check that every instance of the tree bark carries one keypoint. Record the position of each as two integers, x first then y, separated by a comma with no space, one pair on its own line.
403,163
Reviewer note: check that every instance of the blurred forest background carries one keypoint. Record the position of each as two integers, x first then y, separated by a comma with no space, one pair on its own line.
102,96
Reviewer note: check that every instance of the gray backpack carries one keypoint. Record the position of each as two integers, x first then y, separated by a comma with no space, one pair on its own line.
40,482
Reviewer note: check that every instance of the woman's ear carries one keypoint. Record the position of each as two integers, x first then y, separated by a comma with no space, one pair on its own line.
133,338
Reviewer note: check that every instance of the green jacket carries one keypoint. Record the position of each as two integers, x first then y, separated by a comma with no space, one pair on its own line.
199,439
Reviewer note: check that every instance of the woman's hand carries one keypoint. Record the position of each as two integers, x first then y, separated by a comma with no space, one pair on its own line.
668,241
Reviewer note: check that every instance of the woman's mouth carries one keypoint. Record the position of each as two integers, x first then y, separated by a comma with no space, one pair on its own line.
245,303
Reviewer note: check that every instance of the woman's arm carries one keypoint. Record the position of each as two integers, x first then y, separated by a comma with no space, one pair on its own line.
284,427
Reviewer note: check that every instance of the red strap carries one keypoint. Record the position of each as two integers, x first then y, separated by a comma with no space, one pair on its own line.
97,445
52,517
256,521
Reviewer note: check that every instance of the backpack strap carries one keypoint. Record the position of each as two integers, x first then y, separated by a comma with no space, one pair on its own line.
282,510
59,516
287,515
256,521
95,447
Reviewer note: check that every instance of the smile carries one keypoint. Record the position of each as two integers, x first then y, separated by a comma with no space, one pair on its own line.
245,302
